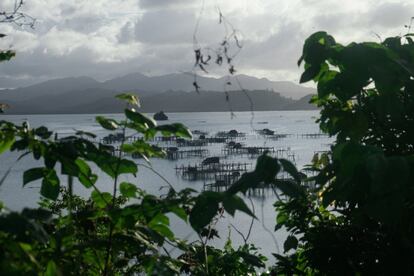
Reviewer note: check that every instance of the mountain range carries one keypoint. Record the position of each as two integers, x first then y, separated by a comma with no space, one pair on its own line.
171,93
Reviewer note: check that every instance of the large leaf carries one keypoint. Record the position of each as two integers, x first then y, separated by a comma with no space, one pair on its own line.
6,141
290,243
43,132
50,185
113,166
101,199
33,174
204,210
267,168
160,224
290,168
128,189
232,203
106,123
310,73
247,180
175,129
85,176
139,118
290,188
129,98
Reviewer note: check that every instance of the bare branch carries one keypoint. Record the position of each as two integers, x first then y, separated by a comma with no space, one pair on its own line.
17,17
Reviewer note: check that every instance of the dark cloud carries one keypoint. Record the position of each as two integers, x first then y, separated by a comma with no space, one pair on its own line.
127,33
148,4
165,26
391,15
281,50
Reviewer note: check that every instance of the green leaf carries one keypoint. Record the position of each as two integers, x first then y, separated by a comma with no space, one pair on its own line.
290,188
175,129
290,243
205,208
143,149
310,73
128,189
85,133
85,176
127,167
140,119
50,185
163,230
160,224
51,269
43,132
33,174
281,218
179,212
109,124
129,98
6,55
233,202
246,181
6,141
267,168
252,259
101,199
291,169
111,165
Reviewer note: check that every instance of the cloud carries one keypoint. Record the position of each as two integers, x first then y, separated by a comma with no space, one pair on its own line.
390,15
164,4
165,26
107,38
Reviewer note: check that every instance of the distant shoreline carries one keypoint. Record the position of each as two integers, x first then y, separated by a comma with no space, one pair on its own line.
152,112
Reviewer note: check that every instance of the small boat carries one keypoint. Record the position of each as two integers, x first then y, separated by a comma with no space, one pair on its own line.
160,116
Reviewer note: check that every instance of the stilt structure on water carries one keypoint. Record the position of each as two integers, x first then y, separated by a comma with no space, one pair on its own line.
211,168
174,153
312,135
232,134
250,151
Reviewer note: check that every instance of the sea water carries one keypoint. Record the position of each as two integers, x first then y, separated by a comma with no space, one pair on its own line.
293,123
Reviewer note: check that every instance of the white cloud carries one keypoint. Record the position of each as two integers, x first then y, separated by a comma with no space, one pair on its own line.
104,38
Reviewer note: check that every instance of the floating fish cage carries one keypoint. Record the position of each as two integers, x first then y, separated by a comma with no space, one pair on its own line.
199,132
261,191
250,151
174,153
278,136
232,134
166,139
191,143
112,139
265,132
216,140
312,135
271,134
210,171
222,181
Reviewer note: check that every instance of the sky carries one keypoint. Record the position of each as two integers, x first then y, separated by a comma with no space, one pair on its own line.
110,38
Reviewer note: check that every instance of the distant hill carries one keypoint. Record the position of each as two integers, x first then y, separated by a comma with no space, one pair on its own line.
170,93
301,104
184,82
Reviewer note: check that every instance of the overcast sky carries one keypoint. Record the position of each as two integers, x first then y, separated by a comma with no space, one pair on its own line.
109,38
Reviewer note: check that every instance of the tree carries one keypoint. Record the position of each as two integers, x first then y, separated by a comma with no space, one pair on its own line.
20,19
357,217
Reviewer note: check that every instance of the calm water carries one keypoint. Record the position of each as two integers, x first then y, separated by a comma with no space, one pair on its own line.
287,122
